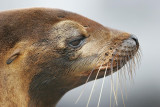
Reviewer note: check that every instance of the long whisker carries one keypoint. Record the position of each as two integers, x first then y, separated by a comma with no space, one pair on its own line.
139,57
117,82
102,86
126,65
121,91
112,82
125,87
84,87
130,65
131,61
123,68
111,95
134,63
131,70
93,86
123,77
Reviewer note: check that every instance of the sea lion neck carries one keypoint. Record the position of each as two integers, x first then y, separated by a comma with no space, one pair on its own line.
46,95
48,90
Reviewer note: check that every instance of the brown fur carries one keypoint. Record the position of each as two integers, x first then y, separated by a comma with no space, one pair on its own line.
36,66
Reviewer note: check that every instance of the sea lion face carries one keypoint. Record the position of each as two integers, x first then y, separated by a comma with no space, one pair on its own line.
72,51
55,51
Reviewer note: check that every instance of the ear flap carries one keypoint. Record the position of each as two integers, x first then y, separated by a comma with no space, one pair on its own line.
13,56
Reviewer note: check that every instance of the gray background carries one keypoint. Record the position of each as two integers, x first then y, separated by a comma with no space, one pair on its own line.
140,17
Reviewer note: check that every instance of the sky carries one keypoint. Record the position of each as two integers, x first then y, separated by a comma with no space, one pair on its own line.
138,17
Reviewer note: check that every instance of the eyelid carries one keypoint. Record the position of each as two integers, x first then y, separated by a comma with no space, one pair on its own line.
79,38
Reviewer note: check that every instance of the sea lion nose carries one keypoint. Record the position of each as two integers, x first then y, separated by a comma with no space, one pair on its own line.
135,39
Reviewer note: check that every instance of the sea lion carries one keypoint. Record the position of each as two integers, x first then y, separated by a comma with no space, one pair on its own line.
46,52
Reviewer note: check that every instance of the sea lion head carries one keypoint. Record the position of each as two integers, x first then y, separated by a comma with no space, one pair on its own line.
47,52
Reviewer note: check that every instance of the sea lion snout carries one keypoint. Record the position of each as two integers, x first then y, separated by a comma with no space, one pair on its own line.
131,44
135,39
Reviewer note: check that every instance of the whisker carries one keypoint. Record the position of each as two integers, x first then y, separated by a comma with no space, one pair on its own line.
132,63
111,95
84,87
124,76
117,82
102,86
112,82
93,86
129,67
140,51
123,69
121,91
125,87
121,73
137,59
121,77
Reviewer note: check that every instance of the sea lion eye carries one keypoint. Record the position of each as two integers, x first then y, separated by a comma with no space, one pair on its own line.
77,42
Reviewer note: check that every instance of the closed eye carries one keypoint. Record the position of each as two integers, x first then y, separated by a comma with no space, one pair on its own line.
77,42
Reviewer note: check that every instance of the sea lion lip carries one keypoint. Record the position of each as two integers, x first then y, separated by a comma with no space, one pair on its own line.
101,71
103,68
109,67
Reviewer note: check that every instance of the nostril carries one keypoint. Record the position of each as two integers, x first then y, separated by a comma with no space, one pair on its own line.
135,39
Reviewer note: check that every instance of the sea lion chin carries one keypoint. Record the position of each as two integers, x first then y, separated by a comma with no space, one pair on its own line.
46,52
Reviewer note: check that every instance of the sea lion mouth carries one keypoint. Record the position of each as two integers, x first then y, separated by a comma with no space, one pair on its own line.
109,67
127,54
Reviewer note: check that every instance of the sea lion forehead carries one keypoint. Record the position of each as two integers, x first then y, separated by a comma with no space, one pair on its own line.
73,28
55,15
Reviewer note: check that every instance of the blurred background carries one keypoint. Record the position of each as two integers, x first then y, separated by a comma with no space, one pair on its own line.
139,17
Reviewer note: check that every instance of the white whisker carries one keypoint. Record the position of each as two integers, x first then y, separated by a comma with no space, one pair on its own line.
93,86
121,91
84,87
117,82
111,95
112,82
102,86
